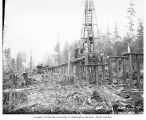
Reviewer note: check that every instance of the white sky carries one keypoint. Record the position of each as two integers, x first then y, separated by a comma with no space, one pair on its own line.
34,24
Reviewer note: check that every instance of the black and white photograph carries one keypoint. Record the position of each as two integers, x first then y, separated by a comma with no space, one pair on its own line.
64,57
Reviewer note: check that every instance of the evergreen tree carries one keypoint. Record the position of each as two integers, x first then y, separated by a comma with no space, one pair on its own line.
31,63
140,36
116,33
13,64
20,59
138,44
7,59
65,52
131,16
74,46
57,50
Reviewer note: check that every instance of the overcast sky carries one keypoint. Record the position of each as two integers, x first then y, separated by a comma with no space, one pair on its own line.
33,25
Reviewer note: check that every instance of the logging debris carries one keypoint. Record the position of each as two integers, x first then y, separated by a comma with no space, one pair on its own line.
54,97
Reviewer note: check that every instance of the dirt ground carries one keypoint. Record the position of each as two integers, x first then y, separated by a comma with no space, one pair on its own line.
54,95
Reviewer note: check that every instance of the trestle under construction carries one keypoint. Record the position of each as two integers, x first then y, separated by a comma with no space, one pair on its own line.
92,66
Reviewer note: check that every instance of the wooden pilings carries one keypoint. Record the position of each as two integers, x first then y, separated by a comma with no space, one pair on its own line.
118,66
12,98
124,72
138,71
117,70
110,72
94,71
131,66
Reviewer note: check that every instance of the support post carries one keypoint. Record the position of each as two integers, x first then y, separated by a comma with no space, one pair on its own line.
10,101
69,65
124,72
103,69
130,70
138,71
117,69
97,76
87,68
110,72
103,74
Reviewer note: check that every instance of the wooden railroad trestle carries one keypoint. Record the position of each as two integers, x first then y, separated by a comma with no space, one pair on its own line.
112,70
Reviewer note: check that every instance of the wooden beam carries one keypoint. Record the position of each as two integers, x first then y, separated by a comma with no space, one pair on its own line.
131,53
117,57
94,64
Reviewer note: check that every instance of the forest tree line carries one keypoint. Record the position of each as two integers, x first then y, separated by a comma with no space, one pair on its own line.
108,43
